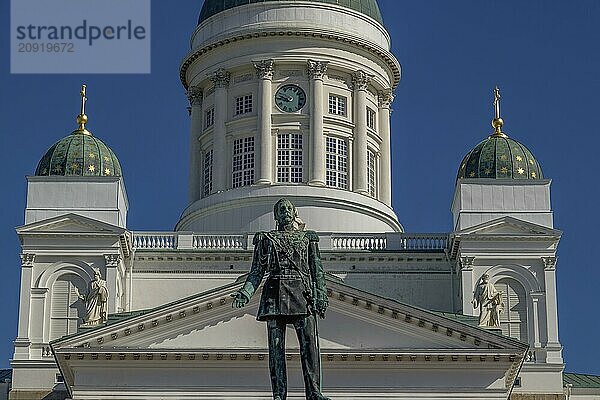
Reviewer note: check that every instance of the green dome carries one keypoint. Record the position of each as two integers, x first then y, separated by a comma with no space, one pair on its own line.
499,157
367,7
79,154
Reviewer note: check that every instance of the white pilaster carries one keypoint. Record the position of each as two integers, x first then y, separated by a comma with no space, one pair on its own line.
553,347
385,173
112,263
22,341
468,283
38,316
316,71
195,95
221,80
361,81
535,300
264,70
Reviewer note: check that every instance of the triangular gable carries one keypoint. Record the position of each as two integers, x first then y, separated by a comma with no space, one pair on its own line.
70,223
509,226
357,321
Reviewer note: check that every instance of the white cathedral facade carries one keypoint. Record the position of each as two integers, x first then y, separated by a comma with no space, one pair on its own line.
288,99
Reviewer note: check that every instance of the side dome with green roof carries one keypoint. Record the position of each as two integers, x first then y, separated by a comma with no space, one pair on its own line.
367,7
80,153
499,157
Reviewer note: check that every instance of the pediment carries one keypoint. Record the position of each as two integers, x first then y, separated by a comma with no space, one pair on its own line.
70,224
509,226
356,322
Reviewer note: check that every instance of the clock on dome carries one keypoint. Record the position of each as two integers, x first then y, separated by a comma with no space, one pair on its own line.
290,98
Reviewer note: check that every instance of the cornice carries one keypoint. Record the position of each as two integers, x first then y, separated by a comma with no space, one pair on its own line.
387,56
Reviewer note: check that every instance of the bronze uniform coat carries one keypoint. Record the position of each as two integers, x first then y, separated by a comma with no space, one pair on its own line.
293,263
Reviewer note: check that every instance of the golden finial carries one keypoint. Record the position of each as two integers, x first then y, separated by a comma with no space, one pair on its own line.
82,118
497,122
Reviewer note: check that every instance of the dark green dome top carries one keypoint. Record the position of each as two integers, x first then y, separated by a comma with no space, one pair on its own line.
499,157
367,7
79,154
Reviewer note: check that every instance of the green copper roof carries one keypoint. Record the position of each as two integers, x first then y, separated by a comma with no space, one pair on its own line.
500,158
79,155
367,7
581,380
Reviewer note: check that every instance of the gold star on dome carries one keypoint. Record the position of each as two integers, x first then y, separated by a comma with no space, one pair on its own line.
91,168
521,171
44,171
472,174
487,171
533,175
92,155
58,169
106,159
504,170
519,158
503,157
106,171
531,162
74,167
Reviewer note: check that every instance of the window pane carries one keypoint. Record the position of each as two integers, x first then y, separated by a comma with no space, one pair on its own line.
243,162
289,157
336,162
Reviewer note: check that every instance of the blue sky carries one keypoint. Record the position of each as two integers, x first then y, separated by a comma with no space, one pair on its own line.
542,53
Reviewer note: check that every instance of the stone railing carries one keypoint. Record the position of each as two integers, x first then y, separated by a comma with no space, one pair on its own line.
336,242
155,240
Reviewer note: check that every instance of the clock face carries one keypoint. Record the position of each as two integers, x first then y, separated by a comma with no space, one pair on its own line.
290,98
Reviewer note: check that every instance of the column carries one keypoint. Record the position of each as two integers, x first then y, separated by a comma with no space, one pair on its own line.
553,348
221,79
112,262
316,72
264,148
385,173
195,96
361,81
466,270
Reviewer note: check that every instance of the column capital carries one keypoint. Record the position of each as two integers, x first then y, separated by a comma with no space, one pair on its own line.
112,260
221,78
264,68
195,95
385,98
27,259
361,80
549,263
466,263
316,69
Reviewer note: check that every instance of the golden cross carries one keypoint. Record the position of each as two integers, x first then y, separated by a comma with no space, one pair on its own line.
83,99
497,98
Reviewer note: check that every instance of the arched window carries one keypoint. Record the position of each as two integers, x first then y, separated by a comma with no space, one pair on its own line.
66,308
513,320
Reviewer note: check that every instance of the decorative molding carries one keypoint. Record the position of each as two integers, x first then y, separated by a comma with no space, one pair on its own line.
385,98
27,259
264,69
243,78
112,260
195,96
221,78
286,73
549,263
316,69
466,263
361,80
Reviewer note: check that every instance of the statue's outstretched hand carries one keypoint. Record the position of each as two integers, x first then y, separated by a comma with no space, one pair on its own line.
239,300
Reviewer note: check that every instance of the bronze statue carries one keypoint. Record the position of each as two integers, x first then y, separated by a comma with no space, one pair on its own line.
294,293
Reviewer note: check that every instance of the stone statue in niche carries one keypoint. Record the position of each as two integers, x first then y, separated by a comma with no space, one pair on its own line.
489,301
96,301
294,294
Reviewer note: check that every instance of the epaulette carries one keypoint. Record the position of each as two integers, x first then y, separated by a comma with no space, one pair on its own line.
258,237
312,236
